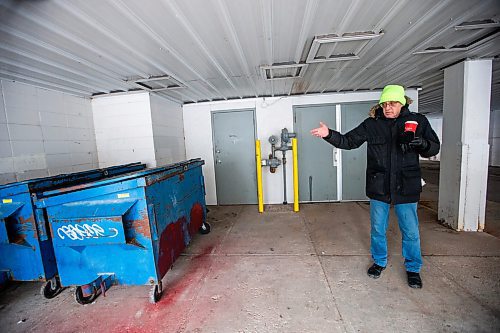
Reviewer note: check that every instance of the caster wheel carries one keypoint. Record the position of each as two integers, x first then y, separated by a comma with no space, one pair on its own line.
84,299
205,228
51,288
155,293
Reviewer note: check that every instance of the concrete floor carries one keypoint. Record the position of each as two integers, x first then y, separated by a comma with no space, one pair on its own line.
287,272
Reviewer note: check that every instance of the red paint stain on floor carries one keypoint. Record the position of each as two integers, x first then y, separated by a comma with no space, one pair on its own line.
127,309
179,291
197,266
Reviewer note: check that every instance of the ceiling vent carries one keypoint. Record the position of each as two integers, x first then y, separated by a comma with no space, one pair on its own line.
333,47
283,71
457,48
441,49
158,83
482,24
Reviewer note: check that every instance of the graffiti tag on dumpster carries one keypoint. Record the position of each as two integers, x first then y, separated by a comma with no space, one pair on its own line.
84,231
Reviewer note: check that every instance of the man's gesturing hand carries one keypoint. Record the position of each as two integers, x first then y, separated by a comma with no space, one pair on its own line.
321,131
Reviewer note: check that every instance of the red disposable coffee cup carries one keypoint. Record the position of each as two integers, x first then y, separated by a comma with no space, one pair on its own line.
411,126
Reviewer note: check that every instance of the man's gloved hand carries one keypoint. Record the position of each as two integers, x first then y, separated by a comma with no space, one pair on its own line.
419,144
405,147
404,140
406,137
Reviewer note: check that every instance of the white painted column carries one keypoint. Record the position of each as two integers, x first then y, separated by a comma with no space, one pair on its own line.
465,149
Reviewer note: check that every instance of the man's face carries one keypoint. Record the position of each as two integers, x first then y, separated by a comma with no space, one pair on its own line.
391,109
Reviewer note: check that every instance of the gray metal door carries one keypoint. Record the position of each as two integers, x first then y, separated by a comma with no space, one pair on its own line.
234,156
317,166
354,161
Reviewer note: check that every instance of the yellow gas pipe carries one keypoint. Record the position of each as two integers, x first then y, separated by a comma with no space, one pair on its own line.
295,176
258,163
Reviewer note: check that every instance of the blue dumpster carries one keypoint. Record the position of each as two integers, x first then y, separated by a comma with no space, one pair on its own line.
26,252
127,229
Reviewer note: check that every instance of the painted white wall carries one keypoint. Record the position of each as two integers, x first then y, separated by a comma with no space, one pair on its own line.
436,121
168,130
272,114
494,138
123,129
43,133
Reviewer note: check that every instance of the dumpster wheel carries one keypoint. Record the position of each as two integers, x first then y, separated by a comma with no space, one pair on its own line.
84,299
205,228
155,293
51,288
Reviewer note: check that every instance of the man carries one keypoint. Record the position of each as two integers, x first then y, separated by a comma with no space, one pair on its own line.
392,173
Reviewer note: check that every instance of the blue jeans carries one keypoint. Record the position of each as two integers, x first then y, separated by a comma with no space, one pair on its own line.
408,224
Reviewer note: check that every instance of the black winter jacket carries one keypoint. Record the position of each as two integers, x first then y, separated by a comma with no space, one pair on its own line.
391,175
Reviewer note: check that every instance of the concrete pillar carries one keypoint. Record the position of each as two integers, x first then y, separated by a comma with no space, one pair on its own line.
465,149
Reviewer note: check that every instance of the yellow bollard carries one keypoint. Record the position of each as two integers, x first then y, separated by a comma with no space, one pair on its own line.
295,176
258,164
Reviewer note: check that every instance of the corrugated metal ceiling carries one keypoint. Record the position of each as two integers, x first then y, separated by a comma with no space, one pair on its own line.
213,50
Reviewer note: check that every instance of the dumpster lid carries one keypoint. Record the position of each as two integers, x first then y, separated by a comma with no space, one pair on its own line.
7,209
13,189
83,177
171,167
65,180
96,208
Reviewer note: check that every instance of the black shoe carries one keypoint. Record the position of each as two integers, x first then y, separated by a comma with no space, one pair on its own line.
375,270
414,280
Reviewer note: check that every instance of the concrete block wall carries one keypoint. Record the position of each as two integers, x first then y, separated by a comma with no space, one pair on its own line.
43,133
138,127
123,129
168,130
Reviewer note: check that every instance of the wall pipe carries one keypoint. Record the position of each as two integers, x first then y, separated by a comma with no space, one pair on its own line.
284,177
258,163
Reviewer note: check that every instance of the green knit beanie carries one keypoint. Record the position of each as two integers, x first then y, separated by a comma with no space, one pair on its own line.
394,93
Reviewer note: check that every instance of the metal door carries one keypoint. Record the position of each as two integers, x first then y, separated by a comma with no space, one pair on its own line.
354,161
317,158
234,155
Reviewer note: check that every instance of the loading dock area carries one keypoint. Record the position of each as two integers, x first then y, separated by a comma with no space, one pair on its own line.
308,118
